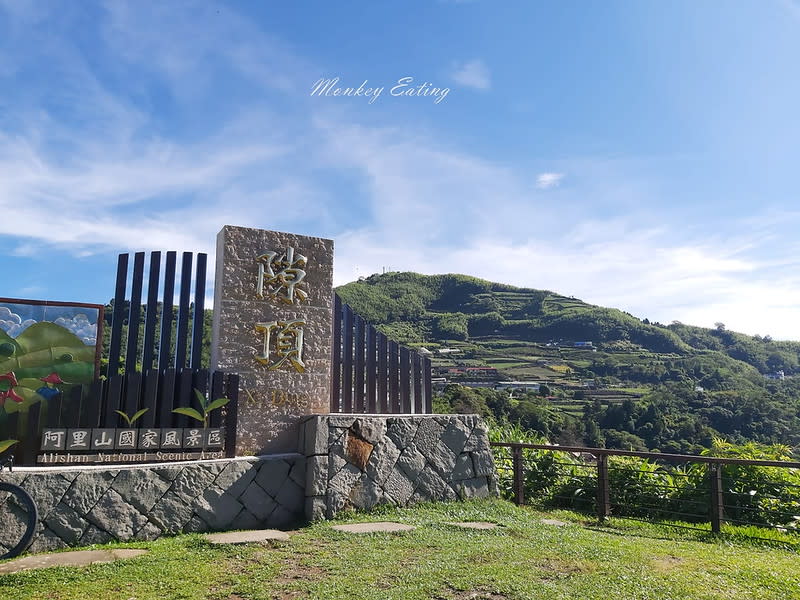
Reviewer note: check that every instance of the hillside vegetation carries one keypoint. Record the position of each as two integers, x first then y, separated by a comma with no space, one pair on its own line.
638,384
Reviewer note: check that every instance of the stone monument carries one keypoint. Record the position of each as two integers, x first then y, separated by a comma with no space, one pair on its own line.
272,325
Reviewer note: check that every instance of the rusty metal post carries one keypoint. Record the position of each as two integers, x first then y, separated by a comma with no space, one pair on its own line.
603,493
717,515
519,476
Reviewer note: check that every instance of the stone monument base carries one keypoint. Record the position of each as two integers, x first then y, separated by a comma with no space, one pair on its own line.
346,462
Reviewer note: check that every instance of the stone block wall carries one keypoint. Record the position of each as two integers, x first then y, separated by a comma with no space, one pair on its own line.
79,506
359,461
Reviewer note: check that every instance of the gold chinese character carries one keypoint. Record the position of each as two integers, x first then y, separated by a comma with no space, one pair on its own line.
288,344
280,277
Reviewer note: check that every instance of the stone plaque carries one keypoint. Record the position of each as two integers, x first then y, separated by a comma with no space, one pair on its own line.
272,325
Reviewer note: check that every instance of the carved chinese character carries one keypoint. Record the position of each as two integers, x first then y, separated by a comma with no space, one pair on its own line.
285,347
102,439
149,439
214,438
192,438
171,438
53,439
78,439
280,277
126,439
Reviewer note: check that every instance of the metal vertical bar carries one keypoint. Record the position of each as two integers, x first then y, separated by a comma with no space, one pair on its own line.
231,414
336,356
519,475
184,397
54,410
165,339
117,316
358,363
603,492
394,369
717,514
347,360
370,366
383,374
426,374
150,398
183,311
199,311
416,367
166,394
150,312
133,392
216,391
30,444
134,313
405,381
113,401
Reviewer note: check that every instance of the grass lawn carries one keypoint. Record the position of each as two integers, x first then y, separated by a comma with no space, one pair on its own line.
523,559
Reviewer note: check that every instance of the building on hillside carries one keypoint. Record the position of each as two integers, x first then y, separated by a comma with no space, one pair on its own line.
779,375
528,386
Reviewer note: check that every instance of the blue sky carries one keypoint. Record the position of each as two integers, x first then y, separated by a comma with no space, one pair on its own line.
640,155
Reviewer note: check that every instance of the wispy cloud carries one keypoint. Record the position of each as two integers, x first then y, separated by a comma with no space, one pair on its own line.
473,74
113,174
548,180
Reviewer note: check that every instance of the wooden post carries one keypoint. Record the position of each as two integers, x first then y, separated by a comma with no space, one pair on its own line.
519,476
603,493
717,516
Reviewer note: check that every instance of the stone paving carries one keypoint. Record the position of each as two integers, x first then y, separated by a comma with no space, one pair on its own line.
474,525
247,537
376,527
79,558
554,522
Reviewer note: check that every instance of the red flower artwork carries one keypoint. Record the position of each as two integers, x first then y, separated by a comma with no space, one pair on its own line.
9,394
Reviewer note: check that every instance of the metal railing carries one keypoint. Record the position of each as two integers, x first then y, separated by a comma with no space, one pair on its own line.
683,490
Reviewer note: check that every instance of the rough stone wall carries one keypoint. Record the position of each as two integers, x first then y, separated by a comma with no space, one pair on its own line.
358,461
95,505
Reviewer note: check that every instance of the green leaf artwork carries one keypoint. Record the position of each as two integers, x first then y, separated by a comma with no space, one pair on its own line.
206,408
6,444
131,420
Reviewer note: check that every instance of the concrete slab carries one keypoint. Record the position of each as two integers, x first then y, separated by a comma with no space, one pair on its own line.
554,522
377,527
247,537
474,525
79,558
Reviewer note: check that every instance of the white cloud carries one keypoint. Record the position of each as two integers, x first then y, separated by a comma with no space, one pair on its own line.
81,327
124,181
12,323
473,74
547,180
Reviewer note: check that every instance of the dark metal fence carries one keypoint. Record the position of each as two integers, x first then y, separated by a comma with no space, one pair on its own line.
143,349
681,490
147,367
94,406
372,374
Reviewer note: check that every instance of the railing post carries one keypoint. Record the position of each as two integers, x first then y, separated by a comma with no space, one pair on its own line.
603,495
519,476
715,475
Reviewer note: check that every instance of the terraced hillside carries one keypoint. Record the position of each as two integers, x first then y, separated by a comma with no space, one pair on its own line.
482,333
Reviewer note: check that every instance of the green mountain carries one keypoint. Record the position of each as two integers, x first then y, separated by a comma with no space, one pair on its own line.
441,308
609,377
